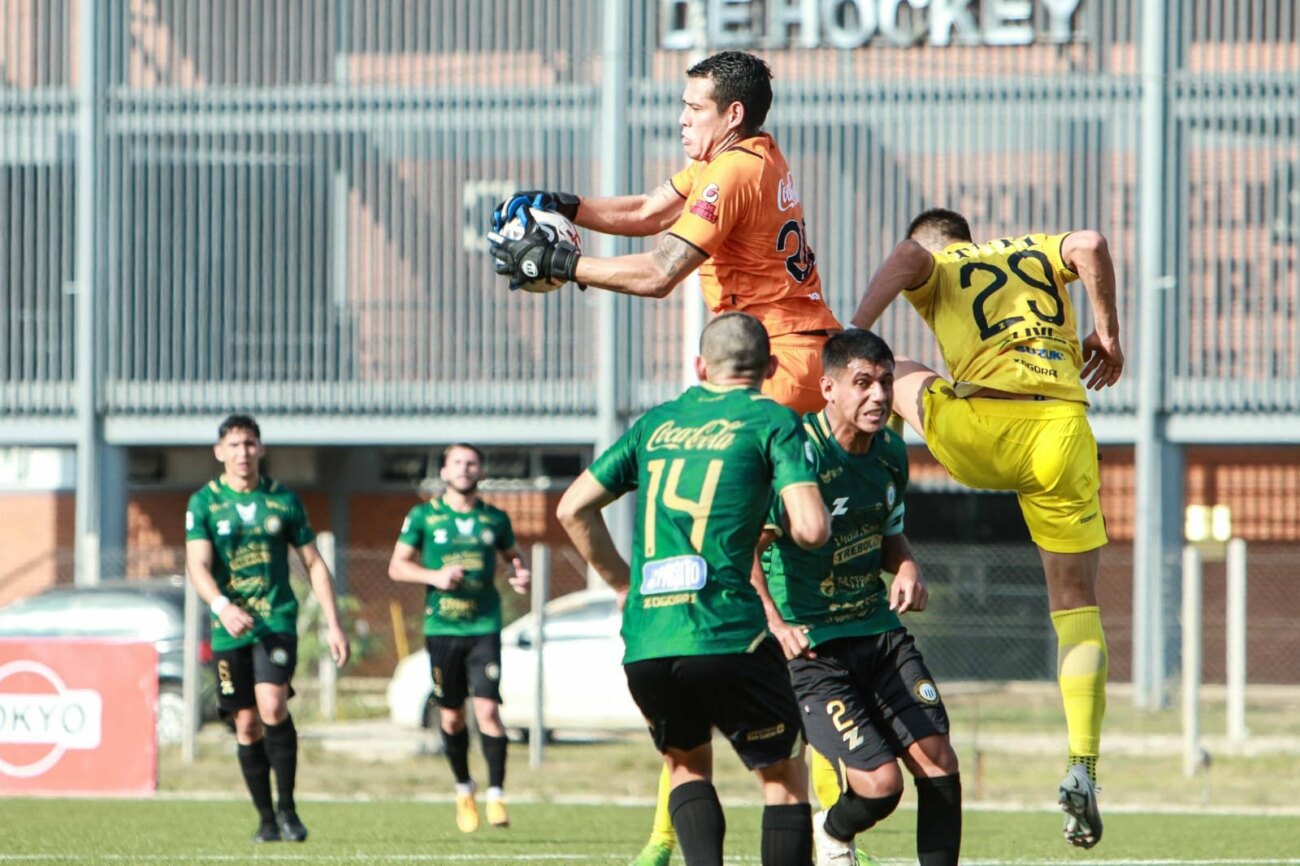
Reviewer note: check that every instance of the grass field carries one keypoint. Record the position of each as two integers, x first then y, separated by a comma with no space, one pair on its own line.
589,803
190,833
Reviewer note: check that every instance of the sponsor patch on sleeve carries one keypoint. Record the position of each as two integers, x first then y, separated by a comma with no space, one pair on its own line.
705,211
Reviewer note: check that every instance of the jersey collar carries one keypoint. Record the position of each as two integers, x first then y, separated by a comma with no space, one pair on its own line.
722,389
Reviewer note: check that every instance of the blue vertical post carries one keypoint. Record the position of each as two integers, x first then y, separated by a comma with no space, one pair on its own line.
1159,465
613,126
89,276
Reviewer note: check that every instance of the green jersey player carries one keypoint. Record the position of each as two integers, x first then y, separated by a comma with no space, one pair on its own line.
698,657
868,699
450,545
238,531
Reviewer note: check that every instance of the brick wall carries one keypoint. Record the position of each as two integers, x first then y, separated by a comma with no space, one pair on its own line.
36,542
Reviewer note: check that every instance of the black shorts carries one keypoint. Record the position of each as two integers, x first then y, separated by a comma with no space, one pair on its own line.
271,660
461,664
866,699
746,696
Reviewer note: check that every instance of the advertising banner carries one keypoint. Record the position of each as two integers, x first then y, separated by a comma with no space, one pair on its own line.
77,717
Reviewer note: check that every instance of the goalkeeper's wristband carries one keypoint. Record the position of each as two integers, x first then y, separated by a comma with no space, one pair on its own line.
566,205
219,604
563,262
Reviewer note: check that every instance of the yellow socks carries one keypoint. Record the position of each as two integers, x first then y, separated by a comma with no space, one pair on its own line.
662,832
1081,664
825,781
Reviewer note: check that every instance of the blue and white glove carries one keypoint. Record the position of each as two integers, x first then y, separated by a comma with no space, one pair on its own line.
563,203
538,255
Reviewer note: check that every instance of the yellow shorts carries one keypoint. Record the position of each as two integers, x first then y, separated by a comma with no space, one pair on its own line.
797,382
1043,450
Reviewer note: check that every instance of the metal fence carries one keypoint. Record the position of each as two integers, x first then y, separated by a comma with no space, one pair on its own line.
987,619
287,198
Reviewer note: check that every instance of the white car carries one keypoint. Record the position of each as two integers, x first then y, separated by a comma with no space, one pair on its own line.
584,688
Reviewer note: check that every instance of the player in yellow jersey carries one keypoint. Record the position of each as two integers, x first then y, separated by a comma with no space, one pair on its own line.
733,213
1013,417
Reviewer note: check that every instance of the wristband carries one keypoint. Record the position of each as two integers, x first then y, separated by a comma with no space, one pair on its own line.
219,604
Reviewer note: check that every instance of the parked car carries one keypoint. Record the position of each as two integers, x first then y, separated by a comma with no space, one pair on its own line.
584,687
147,610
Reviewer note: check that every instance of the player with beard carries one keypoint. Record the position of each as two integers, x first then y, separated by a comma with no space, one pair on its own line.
450,544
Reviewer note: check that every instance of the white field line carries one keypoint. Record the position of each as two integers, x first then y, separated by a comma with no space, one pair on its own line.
619,857
645,802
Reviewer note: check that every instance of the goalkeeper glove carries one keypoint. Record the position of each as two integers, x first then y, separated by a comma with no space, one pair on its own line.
538,255
563,203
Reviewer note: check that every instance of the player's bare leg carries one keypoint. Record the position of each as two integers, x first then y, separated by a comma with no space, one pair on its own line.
1081,668
871,797
911,379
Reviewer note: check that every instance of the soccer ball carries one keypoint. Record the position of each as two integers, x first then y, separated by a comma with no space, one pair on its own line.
558,227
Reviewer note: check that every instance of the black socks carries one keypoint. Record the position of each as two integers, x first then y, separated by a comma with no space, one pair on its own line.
282,752
787,835
938,820
458,754
257,776
697,818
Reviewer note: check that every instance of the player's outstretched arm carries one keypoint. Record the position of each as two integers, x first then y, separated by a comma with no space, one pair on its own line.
809,523
907,267
908,590
322,584
627,215
633,216
539,254
648,275
1088,255
579,513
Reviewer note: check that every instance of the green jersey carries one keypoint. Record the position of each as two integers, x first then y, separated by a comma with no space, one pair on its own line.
250,535
836,590
704,467
470,539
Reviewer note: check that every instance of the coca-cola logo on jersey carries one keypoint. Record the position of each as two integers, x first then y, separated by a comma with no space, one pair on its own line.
786,195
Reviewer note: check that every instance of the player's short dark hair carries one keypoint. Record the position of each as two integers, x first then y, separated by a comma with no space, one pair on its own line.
238,422
940,221
738,76
446,452
854,344
736,343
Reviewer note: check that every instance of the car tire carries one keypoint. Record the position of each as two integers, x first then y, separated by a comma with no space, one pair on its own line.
171,715
430,719
525,735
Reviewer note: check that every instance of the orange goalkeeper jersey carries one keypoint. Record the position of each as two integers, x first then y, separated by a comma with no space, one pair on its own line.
743,212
